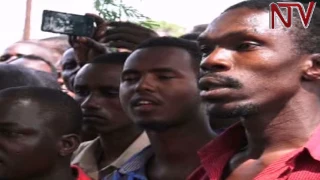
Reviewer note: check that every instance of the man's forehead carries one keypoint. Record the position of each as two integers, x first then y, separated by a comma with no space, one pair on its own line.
101,68
21,48
93,73
69,54
238,20
91,82
30,49
69,57
156,57
159,50
16,103
18,110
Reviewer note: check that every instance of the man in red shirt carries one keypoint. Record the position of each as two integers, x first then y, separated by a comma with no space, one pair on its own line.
270,79
79,173
39,130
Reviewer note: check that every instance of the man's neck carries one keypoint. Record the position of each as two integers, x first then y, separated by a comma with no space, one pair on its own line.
176,148
115,143
282,130
60,173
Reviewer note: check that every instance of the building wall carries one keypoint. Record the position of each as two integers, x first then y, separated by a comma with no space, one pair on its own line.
12,16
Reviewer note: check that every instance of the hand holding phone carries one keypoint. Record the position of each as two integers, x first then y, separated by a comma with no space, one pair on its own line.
87,48
126,35
65,23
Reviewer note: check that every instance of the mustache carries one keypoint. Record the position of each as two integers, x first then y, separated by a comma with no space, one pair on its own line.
224,80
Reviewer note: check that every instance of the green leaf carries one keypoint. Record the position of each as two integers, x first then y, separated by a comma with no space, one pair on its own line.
116,10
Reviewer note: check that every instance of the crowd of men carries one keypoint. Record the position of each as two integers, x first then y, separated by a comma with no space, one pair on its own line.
231,100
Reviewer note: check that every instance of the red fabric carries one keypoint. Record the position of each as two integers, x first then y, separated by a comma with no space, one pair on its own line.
303,163
80,173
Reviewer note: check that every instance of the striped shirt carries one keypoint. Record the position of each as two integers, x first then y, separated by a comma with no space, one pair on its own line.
303,163
135,168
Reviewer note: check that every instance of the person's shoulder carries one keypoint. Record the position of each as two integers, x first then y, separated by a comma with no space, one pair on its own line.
137,161
79,174
86,144
83,146
198,174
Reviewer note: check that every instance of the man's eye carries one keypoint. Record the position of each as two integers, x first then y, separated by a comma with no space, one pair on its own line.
81,92
110,93
247,46
206,50
166,77
69,66
129,78
5,58
7,133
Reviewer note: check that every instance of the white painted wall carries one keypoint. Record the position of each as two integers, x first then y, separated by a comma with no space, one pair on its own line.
186,13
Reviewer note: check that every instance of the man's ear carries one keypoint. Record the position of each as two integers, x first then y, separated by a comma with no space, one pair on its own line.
68,144
311,69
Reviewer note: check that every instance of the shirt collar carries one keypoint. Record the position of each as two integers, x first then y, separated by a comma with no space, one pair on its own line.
236,133
313,145
79,174
85,156
139,144
217,153
137,162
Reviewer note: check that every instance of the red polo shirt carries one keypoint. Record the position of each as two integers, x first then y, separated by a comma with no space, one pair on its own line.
303,163
78,172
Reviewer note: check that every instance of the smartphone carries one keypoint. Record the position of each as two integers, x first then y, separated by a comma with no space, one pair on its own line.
65,23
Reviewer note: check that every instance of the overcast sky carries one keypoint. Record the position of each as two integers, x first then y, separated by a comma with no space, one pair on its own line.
186,13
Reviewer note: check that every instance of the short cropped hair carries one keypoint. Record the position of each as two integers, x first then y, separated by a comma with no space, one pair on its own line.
190,36
48,80
191,47
60,110
306,40
199,28
111,58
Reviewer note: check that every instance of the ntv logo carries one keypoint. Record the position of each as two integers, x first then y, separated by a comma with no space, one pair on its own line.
305,15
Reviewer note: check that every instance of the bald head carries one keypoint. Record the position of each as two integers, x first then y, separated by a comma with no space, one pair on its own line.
31,54
58,43
31,48
15,76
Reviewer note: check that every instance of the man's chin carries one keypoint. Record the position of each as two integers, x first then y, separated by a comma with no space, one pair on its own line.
153,126
156,125
90,129
235,111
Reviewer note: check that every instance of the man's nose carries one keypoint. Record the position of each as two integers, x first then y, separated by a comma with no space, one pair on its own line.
91,102
145,84
218,60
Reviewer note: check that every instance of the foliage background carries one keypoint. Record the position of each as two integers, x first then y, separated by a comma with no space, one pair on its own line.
117,10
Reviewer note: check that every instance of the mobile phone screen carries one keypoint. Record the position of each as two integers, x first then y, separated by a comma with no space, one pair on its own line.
64,23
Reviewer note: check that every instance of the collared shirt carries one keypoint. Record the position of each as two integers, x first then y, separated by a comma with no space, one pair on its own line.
85,156
78,172
303,163
135,168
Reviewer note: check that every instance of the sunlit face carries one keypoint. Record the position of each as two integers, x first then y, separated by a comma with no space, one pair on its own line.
97,90
159,87
247,67
69,68
25,138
